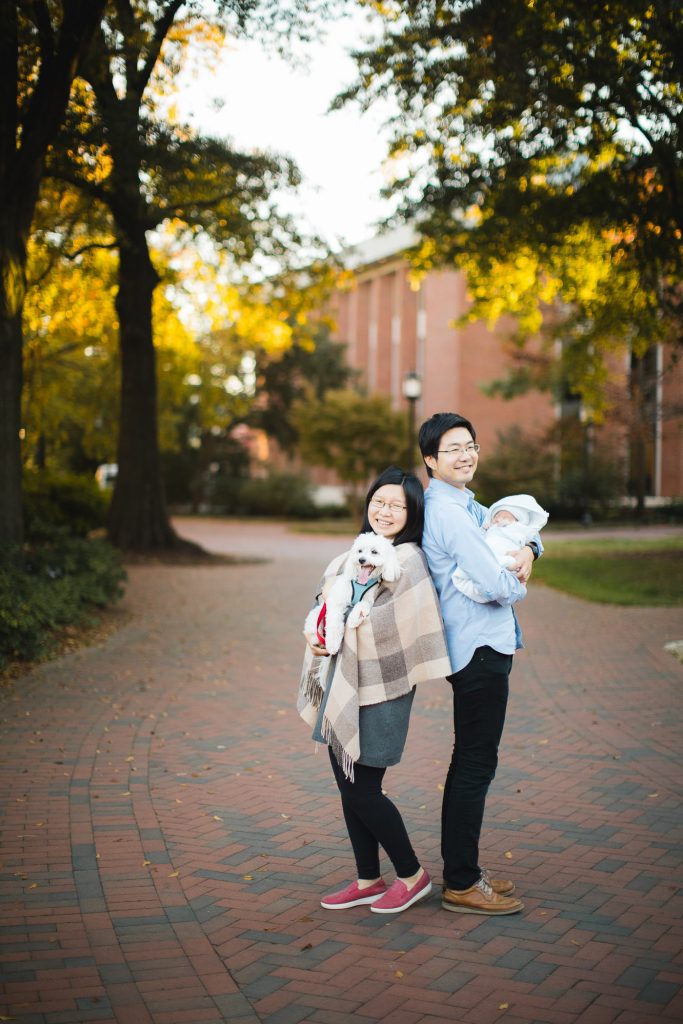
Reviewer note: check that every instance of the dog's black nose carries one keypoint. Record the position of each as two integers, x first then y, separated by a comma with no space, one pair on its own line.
362,560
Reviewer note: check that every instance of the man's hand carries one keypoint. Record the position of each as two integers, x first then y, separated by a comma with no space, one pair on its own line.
523,561
312,641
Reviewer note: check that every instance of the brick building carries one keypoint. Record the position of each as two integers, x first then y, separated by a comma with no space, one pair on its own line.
392,329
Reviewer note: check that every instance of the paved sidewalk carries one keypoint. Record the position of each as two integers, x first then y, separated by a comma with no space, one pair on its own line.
168,829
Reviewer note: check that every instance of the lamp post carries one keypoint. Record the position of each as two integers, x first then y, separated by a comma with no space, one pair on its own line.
412,390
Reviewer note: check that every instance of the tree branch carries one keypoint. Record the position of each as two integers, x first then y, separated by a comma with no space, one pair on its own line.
161,30
41,17
82,184
180,208
50,97
9,77
86,248
128,26
96,69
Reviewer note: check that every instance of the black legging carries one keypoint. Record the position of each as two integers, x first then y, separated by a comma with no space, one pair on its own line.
372,820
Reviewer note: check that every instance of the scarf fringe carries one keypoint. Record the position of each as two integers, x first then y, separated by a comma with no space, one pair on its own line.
342,756
312,688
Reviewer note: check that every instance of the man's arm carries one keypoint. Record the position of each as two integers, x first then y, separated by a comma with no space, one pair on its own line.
463,541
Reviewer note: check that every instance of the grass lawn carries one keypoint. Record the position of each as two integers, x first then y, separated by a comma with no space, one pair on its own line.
613,571
633,572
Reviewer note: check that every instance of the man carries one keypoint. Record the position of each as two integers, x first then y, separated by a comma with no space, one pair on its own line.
481,641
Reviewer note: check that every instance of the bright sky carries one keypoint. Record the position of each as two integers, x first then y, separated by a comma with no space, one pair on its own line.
267,104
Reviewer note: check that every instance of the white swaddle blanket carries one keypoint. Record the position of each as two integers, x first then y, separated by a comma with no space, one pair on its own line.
504,537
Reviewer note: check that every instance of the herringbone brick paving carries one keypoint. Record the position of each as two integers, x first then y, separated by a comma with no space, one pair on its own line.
168,829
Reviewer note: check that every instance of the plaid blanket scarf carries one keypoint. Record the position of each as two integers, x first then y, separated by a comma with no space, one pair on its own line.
400,644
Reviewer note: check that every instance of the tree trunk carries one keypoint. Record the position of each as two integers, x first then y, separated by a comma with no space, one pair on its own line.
138,519
11,527
14,227
27,129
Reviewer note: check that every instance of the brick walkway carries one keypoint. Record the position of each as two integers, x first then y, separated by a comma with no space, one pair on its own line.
168,829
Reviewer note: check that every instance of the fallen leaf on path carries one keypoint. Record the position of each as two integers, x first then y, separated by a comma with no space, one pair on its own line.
174,874
248,878
504,1006
398,974
508,855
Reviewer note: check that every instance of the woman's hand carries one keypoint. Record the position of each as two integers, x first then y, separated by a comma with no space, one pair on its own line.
318,651
523,561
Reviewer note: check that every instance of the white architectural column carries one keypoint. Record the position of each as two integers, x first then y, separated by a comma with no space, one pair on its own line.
373,327
396,340
421,341
659,397
352,322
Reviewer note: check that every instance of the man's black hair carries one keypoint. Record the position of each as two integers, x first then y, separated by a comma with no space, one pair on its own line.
433,429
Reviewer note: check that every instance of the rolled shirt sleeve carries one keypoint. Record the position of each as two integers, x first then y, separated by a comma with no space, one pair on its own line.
463,539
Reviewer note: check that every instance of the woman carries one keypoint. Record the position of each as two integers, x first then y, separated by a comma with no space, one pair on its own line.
362,702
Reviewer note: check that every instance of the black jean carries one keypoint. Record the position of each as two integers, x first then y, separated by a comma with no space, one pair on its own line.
480,695
373,821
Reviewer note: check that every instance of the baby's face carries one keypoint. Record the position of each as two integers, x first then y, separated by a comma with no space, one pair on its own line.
503,517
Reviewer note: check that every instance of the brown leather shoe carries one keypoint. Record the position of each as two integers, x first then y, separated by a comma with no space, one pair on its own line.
502,886
480,899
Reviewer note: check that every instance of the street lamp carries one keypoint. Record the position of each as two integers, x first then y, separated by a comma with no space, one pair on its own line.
412,390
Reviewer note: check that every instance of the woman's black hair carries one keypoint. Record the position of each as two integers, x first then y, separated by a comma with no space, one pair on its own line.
415,504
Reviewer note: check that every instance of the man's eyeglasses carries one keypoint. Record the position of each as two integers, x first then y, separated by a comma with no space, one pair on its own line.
394,506
457,449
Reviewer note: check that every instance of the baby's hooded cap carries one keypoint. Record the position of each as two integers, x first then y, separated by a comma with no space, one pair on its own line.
524,508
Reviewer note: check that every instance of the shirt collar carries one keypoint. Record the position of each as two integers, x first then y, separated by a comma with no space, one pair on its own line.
459,496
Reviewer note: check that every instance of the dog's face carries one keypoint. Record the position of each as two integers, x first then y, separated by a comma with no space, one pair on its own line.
372,557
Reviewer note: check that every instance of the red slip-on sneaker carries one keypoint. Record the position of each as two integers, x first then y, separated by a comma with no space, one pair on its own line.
399,897
353,896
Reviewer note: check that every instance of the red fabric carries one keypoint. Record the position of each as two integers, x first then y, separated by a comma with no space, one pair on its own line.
320,625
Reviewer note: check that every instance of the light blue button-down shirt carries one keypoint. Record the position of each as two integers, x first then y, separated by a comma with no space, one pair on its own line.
452,537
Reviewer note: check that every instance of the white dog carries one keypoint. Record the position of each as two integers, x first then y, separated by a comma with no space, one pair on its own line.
372,557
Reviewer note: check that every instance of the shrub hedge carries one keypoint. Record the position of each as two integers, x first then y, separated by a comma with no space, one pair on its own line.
51,586
58,503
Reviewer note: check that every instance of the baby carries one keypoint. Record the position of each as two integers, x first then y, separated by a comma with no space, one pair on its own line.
510,524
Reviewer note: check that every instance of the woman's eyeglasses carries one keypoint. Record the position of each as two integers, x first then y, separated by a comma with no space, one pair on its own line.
393,506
